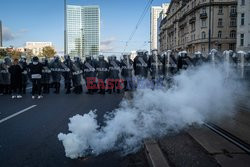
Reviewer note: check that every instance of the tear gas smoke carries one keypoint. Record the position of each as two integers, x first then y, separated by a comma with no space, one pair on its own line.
197,95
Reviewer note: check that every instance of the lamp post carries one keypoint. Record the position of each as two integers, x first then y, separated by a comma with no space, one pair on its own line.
209,29
65,27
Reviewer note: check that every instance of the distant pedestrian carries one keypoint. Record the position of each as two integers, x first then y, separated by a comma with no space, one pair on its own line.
16,79
5,75
36,69
23,63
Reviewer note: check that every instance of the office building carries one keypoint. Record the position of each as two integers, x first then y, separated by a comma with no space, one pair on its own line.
82,30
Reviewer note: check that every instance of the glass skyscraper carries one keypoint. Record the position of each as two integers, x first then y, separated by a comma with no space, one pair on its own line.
82,30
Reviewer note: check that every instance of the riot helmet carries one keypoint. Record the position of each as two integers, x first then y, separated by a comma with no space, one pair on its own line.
101,58
35,60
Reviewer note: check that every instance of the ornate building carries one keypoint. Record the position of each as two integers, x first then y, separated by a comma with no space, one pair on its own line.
186,26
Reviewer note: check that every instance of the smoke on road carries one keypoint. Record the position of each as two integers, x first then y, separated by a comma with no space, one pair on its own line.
197,95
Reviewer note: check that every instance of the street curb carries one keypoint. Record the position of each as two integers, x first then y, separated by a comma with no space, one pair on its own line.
154,154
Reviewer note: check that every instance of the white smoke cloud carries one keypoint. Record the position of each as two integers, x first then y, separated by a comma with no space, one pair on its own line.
197,95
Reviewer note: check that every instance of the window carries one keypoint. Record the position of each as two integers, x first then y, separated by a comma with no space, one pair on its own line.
220,10
232,46
242,2
219,34
219,22
233,34
203,10
241,39
203,23
242,21
233,22
219,47
203,35
193,27
233,9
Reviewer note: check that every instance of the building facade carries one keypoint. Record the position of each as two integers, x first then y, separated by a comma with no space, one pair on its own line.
187,25
156,15
243,25
1,34
82,30
37,47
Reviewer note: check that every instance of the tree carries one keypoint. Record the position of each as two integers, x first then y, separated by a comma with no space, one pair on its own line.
29,54
15,54
48,52
3,53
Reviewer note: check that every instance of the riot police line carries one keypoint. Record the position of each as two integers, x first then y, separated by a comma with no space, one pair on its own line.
100,75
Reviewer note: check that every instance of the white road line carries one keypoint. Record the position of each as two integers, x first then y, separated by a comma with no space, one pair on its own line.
20,112
29,88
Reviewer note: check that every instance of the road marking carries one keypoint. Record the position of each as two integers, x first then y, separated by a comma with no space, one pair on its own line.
29,88
20,112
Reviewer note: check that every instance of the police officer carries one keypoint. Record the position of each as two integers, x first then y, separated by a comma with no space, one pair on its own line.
24,65
114,81
141,68
184,61
1,80
77,75
78,62
170,62
5,75
46,77
244,65
140,65
214,58
102,73
127,72
155,65
197,59
16,79
89,73
229,57
67,74
36,76
56,71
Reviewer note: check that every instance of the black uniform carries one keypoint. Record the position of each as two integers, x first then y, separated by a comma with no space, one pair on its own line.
24,75
244,66
89,74
56,71
184,61
170,65
141,70
102,74
198,59
127,73
77,78
114,81
16,78
214,58
77,75
5,76
36,77
141,66
46,77
67,74
155,65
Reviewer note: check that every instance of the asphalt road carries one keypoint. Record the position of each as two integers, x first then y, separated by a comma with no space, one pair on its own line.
30,138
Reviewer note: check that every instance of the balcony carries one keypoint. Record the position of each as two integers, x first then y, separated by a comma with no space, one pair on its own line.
233,14
203,15
192,20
